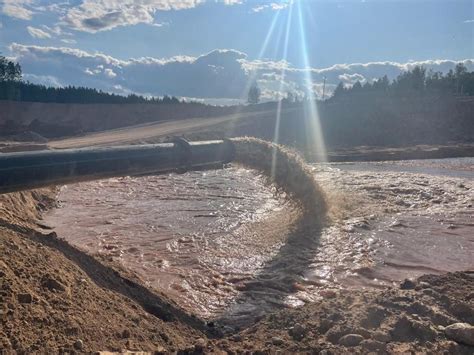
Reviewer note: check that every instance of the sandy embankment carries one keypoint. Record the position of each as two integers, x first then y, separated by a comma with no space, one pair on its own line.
54,297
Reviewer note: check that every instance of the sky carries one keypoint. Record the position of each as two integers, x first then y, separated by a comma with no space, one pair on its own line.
213,49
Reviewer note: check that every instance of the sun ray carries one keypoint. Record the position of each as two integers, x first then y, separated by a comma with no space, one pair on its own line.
263,49
253,74
276,135
314,138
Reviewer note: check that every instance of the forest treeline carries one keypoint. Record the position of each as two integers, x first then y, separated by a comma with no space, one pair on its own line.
13,88
417,81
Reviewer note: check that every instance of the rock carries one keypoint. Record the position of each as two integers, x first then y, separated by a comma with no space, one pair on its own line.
382,337
337,332
361,331
160,351
79,344
351,340
407,330
324,326
200,345
463,310
25,298
236,338
51,283
373,345
408,284
277,341
328,293
375,316
297,332
461,333
126,334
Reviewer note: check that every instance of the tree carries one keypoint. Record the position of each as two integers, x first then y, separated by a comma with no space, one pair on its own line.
254,94
357,86
290,97
9,71
460,70
410,81
382,84
340,90
461,74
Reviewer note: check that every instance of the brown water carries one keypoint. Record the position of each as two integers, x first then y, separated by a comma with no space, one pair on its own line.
224,247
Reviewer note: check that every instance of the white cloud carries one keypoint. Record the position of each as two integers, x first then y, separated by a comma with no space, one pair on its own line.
273,6
109,73
56,30
352,78
68,41
468,21
37,33
231,2
47,80
218,74
102,15
178,76
18,9
1,25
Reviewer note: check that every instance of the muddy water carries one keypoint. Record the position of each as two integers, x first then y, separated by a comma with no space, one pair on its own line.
186,235
224,247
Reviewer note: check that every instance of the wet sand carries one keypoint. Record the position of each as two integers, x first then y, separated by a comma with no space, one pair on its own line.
224,247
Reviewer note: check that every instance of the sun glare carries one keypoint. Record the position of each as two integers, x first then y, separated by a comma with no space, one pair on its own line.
276,135
314,139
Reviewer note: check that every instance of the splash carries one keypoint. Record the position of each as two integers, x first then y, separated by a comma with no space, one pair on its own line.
291,175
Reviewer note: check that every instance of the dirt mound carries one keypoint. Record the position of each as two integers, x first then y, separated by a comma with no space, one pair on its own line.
411,318
54,297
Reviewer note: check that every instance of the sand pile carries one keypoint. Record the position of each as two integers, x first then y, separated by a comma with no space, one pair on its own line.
428,315
55,298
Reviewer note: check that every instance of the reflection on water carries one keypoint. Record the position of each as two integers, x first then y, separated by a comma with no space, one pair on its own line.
459,167
186,235
222,246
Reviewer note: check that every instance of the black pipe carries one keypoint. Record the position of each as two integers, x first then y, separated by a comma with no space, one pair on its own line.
28,170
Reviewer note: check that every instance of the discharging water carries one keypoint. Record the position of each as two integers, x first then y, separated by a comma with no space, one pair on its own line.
224,247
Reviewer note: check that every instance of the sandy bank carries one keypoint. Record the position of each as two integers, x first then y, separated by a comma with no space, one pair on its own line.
54,297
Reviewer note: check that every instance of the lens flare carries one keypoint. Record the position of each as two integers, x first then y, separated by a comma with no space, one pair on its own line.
253,74
276,135
314,138
269,35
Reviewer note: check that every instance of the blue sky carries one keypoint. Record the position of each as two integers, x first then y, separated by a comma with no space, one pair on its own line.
92,42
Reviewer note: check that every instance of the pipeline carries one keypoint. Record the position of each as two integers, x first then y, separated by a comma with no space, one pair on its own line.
28,170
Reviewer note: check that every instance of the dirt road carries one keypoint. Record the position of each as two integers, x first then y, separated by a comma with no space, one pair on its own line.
151,130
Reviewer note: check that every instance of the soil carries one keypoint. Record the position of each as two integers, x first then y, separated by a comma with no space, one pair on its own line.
394,320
